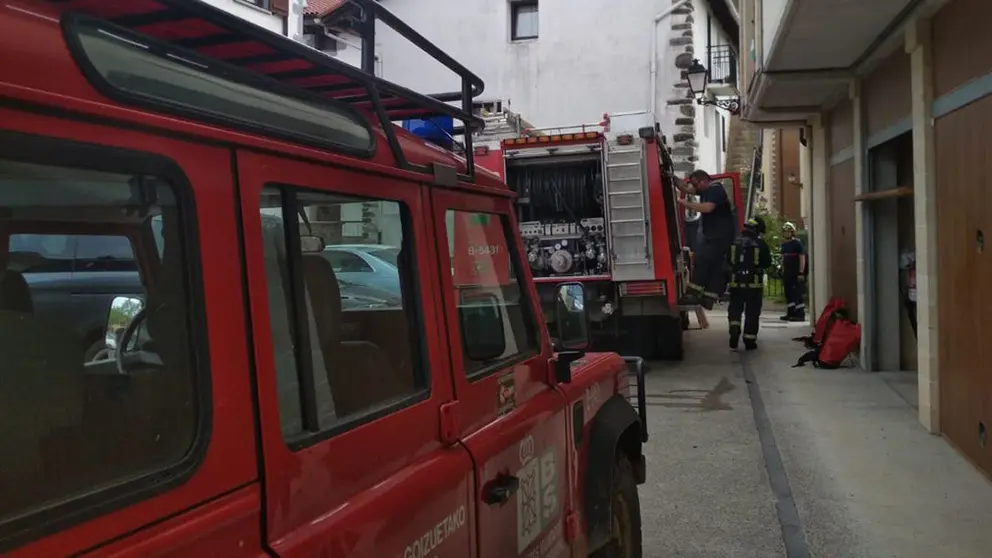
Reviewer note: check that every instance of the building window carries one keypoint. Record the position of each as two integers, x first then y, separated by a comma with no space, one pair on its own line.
523,20
494,315
343,319
100,383
263,4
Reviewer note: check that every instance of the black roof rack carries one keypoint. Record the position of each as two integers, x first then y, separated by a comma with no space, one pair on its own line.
214,33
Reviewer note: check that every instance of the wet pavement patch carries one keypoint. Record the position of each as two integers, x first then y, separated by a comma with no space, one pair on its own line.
701,400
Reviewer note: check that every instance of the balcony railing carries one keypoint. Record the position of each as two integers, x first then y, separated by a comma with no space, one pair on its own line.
722,63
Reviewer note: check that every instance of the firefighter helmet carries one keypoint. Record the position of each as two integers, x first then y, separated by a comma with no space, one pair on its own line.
789,227
755,224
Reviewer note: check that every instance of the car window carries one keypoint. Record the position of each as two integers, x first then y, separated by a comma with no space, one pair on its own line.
79,427
347,262
389,255
104,253
495,318
40,253
344,348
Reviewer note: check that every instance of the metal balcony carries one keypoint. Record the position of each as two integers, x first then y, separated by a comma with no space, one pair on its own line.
722,63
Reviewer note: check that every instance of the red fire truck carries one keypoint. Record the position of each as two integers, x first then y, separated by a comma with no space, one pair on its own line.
322,335
596,204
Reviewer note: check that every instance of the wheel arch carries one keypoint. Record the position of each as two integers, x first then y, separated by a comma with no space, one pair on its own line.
615,430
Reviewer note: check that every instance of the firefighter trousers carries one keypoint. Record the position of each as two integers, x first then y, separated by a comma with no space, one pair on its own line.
709,274
745,301
794,291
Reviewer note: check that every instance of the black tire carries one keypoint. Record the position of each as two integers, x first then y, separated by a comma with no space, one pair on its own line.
669,337
639,337
626,514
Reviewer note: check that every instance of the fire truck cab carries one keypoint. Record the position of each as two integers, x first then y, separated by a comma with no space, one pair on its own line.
322,336
596,204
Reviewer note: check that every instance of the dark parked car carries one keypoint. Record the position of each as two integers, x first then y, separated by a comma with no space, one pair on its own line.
76,278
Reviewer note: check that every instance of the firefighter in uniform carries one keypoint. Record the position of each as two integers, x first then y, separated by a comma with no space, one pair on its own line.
793,274
748,258
718,229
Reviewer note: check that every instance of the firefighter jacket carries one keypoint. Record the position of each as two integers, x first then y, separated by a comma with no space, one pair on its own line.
748,258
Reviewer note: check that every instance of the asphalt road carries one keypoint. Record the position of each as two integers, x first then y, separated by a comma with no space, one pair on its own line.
811,462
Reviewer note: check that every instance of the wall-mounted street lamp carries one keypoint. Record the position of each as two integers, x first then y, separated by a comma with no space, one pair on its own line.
698,76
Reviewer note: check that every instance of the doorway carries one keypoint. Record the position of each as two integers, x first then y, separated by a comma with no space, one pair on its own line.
891,226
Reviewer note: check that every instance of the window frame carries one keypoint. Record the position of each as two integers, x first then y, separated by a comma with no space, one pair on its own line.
312,433
516,7
526,303
101,501
73,25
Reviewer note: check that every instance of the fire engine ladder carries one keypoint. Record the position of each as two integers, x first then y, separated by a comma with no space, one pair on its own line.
627,211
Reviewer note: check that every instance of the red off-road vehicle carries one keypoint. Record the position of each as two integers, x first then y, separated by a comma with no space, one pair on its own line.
247,401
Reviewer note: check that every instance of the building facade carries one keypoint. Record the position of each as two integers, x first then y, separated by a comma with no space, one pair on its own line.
782,174
565,62
895,100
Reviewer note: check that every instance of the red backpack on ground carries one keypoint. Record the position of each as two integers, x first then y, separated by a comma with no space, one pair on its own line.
834,309
841,339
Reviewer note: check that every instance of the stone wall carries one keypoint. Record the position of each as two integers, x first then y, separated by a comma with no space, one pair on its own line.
681,49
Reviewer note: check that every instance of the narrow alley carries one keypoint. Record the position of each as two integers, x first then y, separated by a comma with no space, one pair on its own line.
750,457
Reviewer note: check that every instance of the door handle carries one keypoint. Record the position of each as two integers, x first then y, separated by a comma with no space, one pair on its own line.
500,489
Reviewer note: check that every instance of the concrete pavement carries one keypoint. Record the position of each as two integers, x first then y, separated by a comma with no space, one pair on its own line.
825,463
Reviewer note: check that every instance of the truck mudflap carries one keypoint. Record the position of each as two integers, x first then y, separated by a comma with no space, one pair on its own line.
638,395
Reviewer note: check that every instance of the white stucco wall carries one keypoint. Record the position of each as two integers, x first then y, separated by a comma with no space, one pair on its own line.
771,19
251,13
590,57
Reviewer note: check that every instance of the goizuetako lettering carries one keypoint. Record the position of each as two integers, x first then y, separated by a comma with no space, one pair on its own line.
429,541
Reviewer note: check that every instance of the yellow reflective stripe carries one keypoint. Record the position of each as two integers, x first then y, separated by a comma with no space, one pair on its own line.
694,287
732,284
735,323
750,336
711,295
757,255
733,252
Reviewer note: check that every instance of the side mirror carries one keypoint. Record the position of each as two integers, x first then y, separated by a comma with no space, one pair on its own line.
571,317
311,244
122,310
483,334
572,322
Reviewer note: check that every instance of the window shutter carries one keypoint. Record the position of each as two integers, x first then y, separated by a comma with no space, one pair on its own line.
280,7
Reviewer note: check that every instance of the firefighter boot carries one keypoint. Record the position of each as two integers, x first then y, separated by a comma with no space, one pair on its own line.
750,344
735,335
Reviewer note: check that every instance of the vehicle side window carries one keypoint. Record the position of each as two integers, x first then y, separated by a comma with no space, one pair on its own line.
40,253
345,262
495,317
345,349
87,420
104,253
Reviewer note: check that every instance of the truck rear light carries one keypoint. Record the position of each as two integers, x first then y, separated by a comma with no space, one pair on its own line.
524,140
644,288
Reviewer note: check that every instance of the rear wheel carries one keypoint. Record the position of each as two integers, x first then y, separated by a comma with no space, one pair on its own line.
625,530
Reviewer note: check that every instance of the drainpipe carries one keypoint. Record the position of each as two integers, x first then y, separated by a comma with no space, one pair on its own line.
654,54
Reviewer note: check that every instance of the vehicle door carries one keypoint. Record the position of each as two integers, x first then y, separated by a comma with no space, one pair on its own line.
732,184
131,457
510,416
349,395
